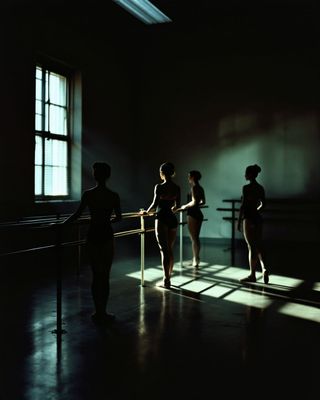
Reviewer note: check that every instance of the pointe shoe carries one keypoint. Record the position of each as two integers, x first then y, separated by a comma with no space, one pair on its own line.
265,274
248,279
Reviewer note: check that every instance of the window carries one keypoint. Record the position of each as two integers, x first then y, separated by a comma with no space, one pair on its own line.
52,134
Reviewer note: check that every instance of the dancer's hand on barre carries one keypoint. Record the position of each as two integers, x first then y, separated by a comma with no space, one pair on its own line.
144,212
176,210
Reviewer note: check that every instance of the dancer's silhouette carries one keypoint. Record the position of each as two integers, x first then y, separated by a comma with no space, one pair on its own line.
104,208
253,201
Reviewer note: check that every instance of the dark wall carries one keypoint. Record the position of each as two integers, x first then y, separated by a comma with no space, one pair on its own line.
235,87
89,42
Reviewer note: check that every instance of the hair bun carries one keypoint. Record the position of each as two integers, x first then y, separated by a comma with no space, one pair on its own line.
258,169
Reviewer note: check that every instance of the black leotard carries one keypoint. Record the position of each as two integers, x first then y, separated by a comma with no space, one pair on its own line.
101,203
164,212
194,211
253,195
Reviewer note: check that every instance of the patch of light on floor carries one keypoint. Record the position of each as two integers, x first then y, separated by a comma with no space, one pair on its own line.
284,282
150,274
188,264
214,268
197,286
301,311
217,291
179,280
232,273
316,286
248,298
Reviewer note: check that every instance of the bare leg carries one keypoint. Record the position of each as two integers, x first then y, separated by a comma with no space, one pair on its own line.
253,236
172,234
101,257
250,235
163,243
258,236
194,226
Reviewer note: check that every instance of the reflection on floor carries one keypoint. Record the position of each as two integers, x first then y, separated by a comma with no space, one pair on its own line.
208,336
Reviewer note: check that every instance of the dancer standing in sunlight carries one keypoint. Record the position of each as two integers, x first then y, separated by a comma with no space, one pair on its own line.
196,197
252,202
166,200
102,204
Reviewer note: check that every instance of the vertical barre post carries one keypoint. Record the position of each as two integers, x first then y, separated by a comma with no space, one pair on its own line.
233,224
79,249
181,238
142,255
58,329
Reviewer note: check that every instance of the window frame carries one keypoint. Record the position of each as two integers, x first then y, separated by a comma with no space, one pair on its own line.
62,70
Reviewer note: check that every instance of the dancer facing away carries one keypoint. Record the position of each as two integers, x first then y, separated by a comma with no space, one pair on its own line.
166,200
102,203
196,197
253,200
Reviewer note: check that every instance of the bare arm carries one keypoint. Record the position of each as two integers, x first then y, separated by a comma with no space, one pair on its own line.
155,200
197,198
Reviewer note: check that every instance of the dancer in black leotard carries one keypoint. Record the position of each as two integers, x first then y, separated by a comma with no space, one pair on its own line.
194,214
166,200
253,200
102,203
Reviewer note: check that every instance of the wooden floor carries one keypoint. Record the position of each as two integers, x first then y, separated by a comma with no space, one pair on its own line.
207,337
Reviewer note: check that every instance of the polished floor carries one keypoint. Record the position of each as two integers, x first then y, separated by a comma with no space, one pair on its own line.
207,337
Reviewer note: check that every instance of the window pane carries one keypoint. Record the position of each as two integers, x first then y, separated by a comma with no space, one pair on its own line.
47,86
38,72
55,181
58,89
38,122
55,152
57,120
46,120
38,107
59,156
48,181
38,151
38,180
38,89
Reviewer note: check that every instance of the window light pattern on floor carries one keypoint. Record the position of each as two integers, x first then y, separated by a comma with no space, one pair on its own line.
222,282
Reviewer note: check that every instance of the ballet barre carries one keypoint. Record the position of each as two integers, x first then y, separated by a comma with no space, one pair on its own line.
283,210
55,224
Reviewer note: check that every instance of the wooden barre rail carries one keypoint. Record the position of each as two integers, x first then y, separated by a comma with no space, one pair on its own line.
294,202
